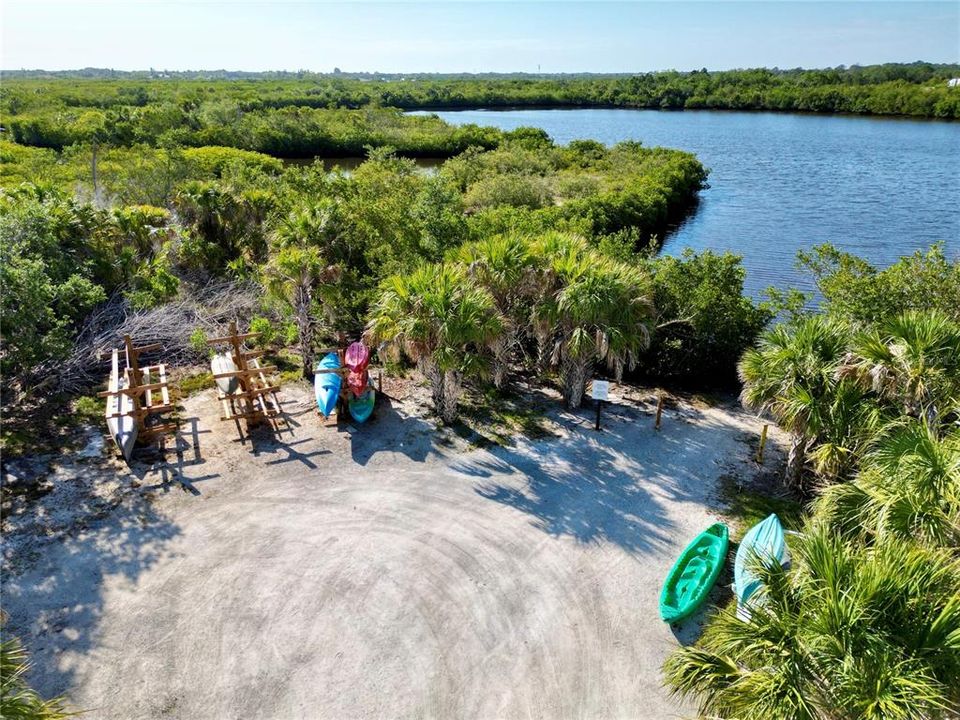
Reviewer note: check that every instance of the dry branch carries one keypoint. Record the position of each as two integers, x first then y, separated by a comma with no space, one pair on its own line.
168,326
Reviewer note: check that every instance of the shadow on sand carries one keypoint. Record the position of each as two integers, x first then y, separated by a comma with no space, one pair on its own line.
609,486
55,605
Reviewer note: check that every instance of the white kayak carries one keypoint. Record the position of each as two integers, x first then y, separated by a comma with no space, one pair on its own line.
122,428
223,363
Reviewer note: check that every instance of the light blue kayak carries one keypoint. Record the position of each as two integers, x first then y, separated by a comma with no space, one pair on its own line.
763,543
326,385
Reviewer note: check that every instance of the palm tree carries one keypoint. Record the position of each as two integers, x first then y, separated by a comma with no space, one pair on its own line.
591,309
299,272
792,374
17,698
442,321
908,487
507,268
849,632
914,360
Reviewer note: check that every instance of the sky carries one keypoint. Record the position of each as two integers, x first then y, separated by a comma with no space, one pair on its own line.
473,36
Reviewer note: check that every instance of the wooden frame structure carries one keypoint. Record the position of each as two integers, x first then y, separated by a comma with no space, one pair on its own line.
256,398
146,387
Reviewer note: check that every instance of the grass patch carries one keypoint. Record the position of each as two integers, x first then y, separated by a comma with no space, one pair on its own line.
289,365
190,385
497,417
49,425
746,505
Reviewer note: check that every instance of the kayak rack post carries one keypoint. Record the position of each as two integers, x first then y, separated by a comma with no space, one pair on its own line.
146,387
258,397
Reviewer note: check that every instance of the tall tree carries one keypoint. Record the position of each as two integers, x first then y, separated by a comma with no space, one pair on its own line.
442,321
300,274
591,309
507,268
792,374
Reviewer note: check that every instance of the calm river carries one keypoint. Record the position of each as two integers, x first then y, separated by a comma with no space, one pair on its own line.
880,188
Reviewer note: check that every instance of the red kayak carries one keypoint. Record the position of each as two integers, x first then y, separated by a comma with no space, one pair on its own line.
356,358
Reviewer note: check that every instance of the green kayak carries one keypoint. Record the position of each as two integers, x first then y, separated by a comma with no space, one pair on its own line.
694,573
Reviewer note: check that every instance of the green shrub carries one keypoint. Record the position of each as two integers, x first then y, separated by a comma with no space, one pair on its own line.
521,191
704,321
268,335
198,342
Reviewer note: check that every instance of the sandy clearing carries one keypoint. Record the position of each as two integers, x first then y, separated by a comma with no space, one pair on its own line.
378,572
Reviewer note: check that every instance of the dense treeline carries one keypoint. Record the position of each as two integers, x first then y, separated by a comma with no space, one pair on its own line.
321,114
162,220
865,622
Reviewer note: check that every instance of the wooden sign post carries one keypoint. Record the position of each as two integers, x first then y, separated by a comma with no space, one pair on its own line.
599,391
763,444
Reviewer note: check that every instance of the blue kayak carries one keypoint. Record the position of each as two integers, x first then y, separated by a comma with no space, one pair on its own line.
361,408
326,385
763,543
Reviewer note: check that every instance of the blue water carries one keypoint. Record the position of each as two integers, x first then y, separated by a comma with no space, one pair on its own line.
779,183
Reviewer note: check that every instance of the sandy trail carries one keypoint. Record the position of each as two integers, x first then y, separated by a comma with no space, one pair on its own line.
379,572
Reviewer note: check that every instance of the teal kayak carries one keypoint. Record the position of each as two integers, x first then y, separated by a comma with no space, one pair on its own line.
361,408
694,574
326,385
763,544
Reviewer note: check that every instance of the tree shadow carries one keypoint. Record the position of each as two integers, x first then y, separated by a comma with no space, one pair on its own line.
613,486
55,587
390,431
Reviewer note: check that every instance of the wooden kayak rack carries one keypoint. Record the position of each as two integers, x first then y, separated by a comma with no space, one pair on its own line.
148,391
256,399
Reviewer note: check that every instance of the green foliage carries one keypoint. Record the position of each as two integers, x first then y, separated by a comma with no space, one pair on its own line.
88,409
303,114
442,321
908,488
856,292
794,374
198,342
214,160
847,632
704,321
17,700
589,309
268,333
51,274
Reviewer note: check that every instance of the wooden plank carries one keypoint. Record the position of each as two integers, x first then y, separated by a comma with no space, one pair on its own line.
143,412
159,429
136,390
245,415
256,392
148,348
146,380
164,391
230,338
245,373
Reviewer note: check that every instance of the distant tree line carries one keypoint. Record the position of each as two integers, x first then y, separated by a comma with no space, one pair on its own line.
307,114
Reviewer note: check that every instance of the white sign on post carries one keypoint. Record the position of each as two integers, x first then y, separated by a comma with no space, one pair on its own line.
599,389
